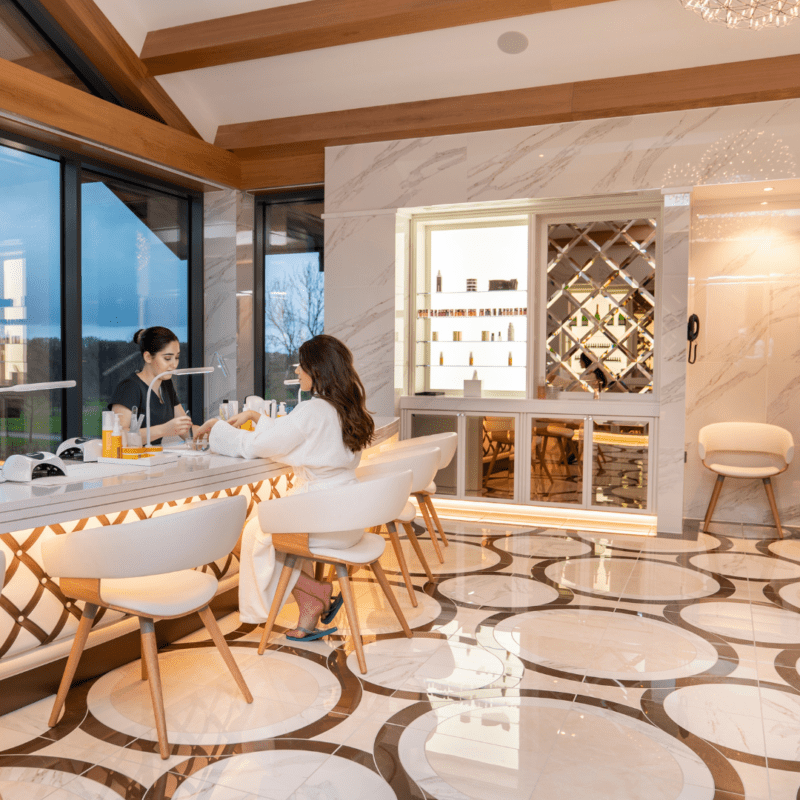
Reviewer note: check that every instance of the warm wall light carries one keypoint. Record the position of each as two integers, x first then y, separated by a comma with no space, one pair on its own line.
768,189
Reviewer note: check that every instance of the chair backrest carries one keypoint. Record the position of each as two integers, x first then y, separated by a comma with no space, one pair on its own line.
423,463
746,437
361,504
492,424
446,442
182,540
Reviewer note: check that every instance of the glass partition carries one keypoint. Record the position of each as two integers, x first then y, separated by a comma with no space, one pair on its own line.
490,452
620,462
134,271
557,461
30,300
426,424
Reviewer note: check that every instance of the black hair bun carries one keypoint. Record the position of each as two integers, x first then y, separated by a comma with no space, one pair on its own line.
138,335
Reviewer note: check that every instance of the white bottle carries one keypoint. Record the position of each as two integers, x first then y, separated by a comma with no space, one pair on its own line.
282,410
510,331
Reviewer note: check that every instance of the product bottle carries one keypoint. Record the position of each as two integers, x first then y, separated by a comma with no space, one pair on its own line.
510,331
510,359
116,438
223,410
108,427
470,358
499,336
439,281
441,358
492,337
282,410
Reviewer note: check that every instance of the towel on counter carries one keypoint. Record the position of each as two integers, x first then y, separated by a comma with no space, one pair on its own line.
259,572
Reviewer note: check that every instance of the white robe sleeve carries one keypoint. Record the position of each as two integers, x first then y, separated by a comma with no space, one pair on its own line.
271,438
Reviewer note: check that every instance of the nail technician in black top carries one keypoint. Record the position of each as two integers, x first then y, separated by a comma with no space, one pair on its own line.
161,352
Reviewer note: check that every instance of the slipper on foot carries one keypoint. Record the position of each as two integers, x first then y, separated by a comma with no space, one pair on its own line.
311,635
336,604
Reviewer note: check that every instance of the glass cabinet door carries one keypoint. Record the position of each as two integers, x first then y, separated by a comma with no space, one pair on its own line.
426,424
490,450
556,461
620,464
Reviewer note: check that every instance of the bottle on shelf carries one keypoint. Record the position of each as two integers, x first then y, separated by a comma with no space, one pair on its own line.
439,281
441,358
510,331
510,359
499,336
471,360
597,313
492,337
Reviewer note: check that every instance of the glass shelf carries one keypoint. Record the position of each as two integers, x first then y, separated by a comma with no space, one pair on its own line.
483,291
473,366
472,341
469,316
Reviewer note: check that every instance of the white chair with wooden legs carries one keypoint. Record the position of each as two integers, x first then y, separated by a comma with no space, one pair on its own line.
303,526
146,569
745,450
423,465
447,443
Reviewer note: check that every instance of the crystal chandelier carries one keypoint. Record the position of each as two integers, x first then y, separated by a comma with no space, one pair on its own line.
753,14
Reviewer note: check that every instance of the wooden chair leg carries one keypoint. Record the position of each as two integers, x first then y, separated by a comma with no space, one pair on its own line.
412,537
319,571
277,602
387,590
150,649
144,663
81,635
429,503
423,507
773,505
394,536
352,617
713,501
225,651
543,457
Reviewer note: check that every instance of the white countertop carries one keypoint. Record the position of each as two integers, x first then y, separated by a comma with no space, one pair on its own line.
94,489
578,405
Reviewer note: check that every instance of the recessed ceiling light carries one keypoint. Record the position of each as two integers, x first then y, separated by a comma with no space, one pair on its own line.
763,202
512,42
768,189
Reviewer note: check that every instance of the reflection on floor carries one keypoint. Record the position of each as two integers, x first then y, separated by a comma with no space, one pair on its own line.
545,663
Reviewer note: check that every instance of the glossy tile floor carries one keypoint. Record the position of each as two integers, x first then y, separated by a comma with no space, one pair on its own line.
545,663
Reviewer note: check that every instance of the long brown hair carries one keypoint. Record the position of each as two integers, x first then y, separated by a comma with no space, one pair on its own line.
329,363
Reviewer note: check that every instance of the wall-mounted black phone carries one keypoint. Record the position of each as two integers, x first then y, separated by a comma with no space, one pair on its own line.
692,332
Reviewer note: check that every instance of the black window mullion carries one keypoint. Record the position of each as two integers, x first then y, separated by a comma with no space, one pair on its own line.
196,305
71,334
258,298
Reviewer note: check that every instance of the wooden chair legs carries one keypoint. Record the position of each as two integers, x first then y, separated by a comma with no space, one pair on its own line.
219,640
713,501
377,569
773,505
437,521
150,653
412,537
82,634
277,602
352,615
394,537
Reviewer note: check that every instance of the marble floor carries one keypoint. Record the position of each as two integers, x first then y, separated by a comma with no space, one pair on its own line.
545,663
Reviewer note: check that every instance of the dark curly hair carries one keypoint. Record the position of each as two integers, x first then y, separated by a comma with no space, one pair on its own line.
329,363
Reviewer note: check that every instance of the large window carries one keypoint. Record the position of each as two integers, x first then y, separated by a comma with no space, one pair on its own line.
293,289
88,256
30,300
134,254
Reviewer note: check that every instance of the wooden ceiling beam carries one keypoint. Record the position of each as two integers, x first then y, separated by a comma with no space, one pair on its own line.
316,24
46,110
99,41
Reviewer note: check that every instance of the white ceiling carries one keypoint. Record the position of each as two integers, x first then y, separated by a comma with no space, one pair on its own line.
624,37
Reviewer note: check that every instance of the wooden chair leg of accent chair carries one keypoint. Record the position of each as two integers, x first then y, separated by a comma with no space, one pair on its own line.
713,501
437,522
394,536
150,649
773,505
377,569
144,663
352,617
219,640
423,507
543,457
277,602
412,537
319,571
81,635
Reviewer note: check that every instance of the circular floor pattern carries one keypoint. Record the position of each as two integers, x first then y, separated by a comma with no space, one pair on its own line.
475,528
605,645
203,704
788,548
731,716
29,783
458,557
466,750
651,544
791,594
631,578
498,591
763,624
281,774
428,665
543,546
745,565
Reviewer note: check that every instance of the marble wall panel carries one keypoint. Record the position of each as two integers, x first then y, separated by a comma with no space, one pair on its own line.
745,287
245,364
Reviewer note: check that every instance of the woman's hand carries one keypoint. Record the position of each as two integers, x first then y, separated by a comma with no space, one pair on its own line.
245,416
206,427
178,426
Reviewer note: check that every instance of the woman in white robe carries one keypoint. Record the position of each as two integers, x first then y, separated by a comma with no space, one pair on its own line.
321,439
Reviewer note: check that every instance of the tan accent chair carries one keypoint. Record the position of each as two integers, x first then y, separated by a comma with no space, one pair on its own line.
745,450
146,569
